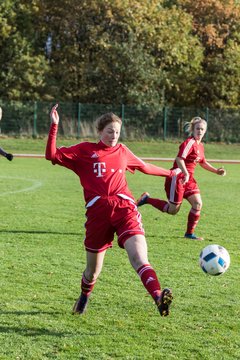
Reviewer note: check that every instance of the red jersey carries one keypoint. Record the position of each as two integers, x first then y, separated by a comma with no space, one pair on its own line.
192,153
101,168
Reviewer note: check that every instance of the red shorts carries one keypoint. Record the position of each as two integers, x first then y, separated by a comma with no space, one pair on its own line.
108,216
176,191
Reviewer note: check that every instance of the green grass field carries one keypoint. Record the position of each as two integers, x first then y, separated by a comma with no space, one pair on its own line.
42,259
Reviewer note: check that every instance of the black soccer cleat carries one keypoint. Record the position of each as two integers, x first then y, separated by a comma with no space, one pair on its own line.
9,157
143,199
164,301
80,304
193,237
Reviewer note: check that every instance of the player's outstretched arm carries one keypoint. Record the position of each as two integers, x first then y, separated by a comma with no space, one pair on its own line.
151,169
135,163
219,171
54,115
52,136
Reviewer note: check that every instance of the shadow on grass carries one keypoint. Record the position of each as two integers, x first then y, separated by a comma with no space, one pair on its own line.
30,331
38,232
33,312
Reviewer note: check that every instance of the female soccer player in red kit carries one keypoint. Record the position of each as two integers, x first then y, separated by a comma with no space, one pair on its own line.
110,206
183,185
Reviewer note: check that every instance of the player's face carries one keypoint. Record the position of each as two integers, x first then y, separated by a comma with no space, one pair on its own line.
110,134
199,130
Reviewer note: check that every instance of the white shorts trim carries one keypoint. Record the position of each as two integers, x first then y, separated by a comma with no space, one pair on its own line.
123,196
91,202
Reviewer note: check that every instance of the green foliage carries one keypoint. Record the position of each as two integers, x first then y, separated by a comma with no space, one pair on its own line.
42,258
217,25
154,52
23,67
224,76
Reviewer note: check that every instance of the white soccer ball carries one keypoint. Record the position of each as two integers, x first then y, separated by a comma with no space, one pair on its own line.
214,260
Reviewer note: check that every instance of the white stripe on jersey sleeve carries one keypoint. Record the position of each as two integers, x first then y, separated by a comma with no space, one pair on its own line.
187,148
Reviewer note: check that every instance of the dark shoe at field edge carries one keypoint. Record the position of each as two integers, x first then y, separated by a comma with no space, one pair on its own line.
9,157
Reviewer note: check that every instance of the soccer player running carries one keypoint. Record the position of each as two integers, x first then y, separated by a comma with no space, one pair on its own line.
5,154
110,206
183,185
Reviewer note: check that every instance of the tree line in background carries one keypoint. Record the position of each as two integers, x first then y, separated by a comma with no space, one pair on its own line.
174,52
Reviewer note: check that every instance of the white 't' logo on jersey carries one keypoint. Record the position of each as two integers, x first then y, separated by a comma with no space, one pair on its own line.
99,168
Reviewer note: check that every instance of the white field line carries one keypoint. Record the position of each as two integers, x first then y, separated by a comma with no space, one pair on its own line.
35,184
143,158
28,155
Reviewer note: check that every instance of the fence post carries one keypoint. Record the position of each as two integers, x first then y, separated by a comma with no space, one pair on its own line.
78,120
35,120
207,118
164,123
123,118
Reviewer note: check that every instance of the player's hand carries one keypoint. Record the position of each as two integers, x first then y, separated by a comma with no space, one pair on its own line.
54,115
185,179
9,157
221,171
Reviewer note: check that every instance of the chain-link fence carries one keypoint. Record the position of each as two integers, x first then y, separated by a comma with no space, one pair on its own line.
139,122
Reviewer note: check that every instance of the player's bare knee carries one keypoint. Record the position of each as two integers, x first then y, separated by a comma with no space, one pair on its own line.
197,205
173,210
90,275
